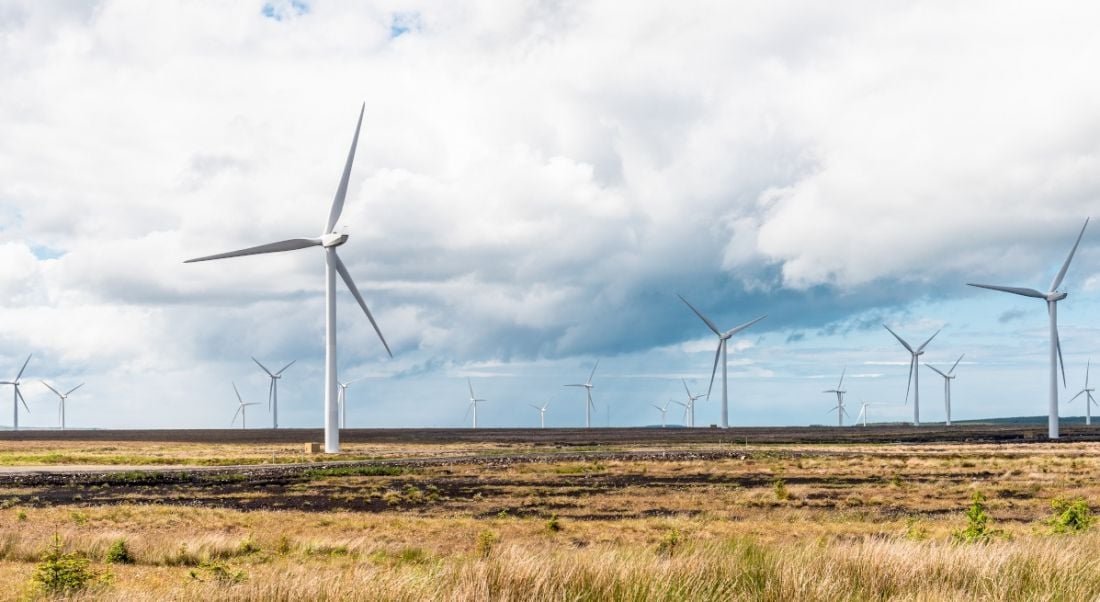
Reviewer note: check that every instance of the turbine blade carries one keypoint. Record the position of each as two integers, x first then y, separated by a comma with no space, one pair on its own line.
1061,363
20,394
340,267
713,371
1087,366
709,324
471,385
292,244
952,370
270,394
18,376
590,376
1065,266
342,189
235,414
239,400
467,414
1075,396
283,369
686,389
572,385
737,329
937,370
74,389
55,392
534,406
909,383
921,348
900,340
262,367
1027,292
841,383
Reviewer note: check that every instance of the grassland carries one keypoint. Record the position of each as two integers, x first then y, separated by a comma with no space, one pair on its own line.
515,521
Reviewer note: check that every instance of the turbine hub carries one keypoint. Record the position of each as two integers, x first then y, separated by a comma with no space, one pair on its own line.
1056,296
333,239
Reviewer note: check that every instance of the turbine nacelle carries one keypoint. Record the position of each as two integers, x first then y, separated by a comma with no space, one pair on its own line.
333,239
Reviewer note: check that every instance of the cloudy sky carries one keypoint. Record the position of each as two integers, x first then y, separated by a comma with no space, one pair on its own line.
534,183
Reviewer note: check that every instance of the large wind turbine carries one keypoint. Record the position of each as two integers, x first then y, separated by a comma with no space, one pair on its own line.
947,378
720,354
273,390
328,241
839,398
240,408
473,402
691,403
18,395
663,411
62,397
542,413
589,405
914,374
1087,392
1052,297
343,401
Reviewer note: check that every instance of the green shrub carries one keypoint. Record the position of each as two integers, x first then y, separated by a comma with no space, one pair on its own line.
977,522
1070,516
781,492
60,572
485,542
218,572
667,546
553,524
118,553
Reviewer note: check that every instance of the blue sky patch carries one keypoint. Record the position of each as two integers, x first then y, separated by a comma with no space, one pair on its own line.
284,9
403,23
44,252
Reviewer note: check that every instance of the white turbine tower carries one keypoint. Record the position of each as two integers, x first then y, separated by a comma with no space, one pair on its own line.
328,241
1052,297
18,395
1087,392
839,398
343,400
241,405
589,405
62,397
691,399
947,378
914,375
474,400
273,390
863,405
542,413
663,411
720,354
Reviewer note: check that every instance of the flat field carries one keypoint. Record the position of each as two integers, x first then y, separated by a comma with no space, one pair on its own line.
608,514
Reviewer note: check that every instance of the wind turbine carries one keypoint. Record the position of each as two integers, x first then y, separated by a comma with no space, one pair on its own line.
542,413
863,405
62,397
328,241
1089,400
240,408
720,354
839,398
947,378
1052,297
588,389
663,411
273,390
18,395
691,403
473,402
343,400
914,375
683,405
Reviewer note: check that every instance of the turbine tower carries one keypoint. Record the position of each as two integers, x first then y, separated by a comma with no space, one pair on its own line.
839,398
720,354
241,405
473,402
328,241
691,403
1052,297
663,411
947,378
18,395
589,406
914,375
273,390
863,405
542,413
62,397
343,400
1087,392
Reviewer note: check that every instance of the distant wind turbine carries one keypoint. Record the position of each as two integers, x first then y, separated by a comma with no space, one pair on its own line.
241,405
720,354
683,405
473,402
863,405
589,405
1052,297
62,397
663,411
1087,392
542,413
691,399
914,374
947,378
839,398
328,241
343,400
18,395
273,390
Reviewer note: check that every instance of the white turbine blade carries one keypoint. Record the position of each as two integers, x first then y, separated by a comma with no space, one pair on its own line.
253,403
1065,266
678,403
292,244
709,324
343,270
937,370
925,344
1058,346
18,376
900,340
20,395
70,391
841,383
239,400
909,383
270,394
953,366
342,189
355,380
283,369
1087,366
471,385
535,406
1027,292
737,329
467,414
686,389
1076,396
55,391
573,385
658,407
235,414
593,372
713,371
262,367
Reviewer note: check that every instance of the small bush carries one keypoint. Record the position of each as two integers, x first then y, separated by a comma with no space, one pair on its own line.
247,547
21,516
79,518
1070,516
977,522
118,553
485,542
283,545
781,492
914,529
553,524
60,572
218,572
667,546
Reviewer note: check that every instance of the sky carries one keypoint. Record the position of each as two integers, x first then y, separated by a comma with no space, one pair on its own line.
535,183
